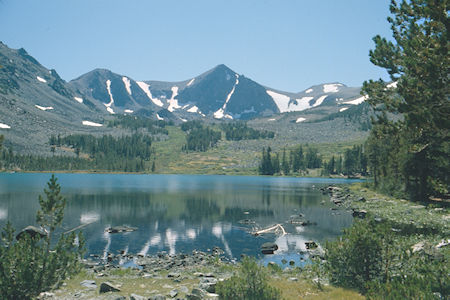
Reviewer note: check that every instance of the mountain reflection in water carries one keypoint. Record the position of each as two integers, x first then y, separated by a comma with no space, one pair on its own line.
182,213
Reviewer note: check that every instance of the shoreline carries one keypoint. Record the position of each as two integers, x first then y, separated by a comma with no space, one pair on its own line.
149,173
193,275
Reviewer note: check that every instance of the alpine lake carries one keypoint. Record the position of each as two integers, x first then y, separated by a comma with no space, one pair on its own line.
181,213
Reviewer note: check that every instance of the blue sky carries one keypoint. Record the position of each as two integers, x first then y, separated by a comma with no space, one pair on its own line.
285,44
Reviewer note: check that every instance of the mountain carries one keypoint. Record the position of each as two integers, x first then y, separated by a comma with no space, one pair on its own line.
116,93
35,102
219,93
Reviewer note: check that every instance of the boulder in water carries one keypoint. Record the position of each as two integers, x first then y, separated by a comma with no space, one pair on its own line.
269,248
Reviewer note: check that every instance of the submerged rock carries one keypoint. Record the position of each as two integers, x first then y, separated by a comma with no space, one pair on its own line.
269,248
119,229
247,221
311,245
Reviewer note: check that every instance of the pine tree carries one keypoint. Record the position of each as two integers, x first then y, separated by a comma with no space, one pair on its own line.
339,165
284,163
331,165
31,265
275,165
417,61
266,167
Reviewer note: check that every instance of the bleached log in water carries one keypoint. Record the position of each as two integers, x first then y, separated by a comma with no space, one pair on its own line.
275,229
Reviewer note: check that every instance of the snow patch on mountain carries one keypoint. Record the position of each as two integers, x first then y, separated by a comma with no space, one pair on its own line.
4,126
111,102
320,100
159,118
191,82
308,91
44,108
220,113
232,91
145,87
78,99
282,101
109,109
302,103
41,79
93,124
128,111
331,88
193,109
127,84
173,103
300,120
343,109
357,100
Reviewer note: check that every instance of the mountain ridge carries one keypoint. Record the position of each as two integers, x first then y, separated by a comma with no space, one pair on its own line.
36,102
214,94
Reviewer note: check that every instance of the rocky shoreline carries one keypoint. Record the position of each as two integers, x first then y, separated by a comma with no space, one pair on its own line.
182,276
188,276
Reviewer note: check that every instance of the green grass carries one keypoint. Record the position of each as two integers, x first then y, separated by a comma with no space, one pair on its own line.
131,281
404,213
218,160
305,289
229,157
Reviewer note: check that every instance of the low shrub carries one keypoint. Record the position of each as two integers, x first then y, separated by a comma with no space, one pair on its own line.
250,283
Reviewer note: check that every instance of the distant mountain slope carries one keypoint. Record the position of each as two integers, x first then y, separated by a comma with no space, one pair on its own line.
35,102
117,93
219,93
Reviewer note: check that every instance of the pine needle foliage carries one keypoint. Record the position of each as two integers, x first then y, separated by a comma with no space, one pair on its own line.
409,144
31,264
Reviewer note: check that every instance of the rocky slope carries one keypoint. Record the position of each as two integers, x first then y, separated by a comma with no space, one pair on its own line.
36,103
219,93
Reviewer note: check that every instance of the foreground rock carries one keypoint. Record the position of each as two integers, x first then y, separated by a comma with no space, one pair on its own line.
106,287
137,297
208,284
89,284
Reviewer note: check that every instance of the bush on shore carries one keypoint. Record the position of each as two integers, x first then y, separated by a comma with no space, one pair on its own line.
34,262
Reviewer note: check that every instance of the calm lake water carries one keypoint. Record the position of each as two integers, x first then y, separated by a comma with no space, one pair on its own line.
180,213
